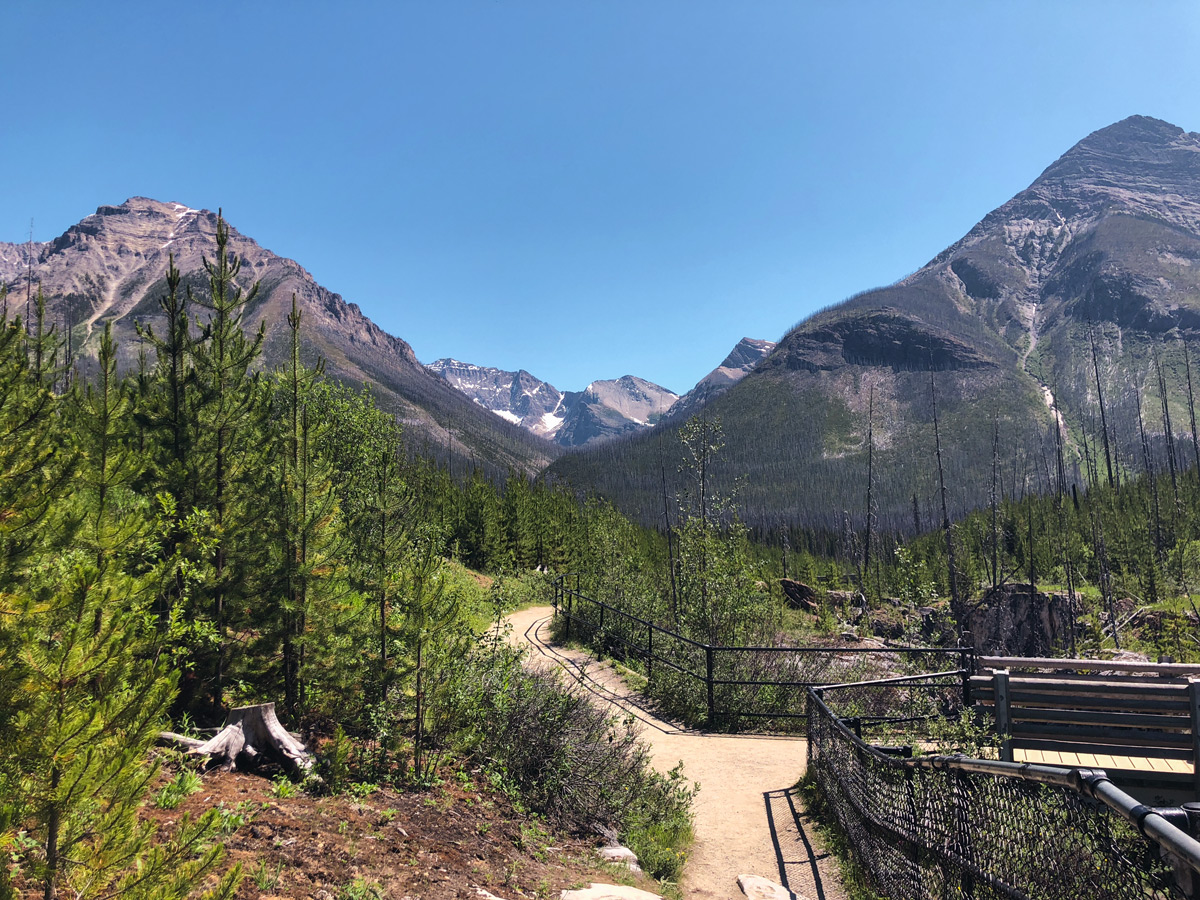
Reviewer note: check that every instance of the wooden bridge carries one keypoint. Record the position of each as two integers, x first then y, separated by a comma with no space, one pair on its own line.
1140,722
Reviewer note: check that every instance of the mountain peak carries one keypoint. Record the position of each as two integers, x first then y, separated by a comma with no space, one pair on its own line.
1133,154
1135,129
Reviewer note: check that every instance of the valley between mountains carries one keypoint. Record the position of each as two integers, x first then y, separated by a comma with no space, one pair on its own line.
224,488
1102,250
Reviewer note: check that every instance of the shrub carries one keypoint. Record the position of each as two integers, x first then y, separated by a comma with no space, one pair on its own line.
569,761
181,786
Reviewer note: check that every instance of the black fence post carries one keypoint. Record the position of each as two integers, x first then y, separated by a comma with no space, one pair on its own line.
708,664
1003,713
967,664
649,652
1194,706
570,610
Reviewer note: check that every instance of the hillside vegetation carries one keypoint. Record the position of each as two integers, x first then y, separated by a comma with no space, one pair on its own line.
1067,301
201,535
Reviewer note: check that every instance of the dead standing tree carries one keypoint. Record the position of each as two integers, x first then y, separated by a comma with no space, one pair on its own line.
957,609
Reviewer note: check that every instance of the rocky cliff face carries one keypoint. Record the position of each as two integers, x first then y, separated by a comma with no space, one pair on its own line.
111,268
517,397
606,409
1103,246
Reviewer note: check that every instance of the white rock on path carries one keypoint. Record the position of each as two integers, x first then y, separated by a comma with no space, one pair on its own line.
609,892
755,887
621,856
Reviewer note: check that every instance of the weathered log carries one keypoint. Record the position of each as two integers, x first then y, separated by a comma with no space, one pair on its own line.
251,734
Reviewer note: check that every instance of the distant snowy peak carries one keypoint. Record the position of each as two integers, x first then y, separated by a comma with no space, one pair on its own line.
747,354
637,399
516,396
601,410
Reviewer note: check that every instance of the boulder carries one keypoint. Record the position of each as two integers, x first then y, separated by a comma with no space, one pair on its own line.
596,891
798,595
1012,620
621,856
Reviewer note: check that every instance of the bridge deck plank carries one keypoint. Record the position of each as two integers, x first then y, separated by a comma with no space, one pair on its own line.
1102,761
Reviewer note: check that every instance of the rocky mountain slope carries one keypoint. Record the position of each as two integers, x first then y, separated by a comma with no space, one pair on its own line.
1104,246
516,397
603,409
111,267
746,354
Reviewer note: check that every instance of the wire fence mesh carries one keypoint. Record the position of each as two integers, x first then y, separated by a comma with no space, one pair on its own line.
945,826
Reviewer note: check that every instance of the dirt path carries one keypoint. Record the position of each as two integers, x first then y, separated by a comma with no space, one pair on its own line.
748,820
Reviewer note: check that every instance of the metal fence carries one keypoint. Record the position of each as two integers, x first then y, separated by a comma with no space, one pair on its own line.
738,688
952,826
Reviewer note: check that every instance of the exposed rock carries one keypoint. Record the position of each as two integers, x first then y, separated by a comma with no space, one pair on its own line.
597,891
741,360
486,895
798,595
755,887
887,338
516,397
606,409
1010,621
846,597
620,856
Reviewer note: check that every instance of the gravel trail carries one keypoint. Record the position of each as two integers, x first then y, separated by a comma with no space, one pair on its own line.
748,819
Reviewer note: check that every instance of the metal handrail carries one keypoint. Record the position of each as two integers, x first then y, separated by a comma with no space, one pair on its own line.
1153,823
710,677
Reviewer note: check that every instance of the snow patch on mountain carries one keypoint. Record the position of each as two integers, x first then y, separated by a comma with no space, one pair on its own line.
603,409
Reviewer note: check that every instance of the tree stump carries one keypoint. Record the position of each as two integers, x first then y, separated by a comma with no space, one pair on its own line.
251,735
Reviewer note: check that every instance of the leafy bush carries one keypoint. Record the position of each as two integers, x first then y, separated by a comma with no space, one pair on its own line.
569,761
520,591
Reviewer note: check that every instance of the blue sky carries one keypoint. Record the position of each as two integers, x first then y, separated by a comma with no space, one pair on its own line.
581,188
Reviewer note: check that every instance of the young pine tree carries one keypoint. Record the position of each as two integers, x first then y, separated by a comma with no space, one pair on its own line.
228,423
305,528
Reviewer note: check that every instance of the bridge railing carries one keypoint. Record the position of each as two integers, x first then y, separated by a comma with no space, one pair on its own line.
954,826
758,688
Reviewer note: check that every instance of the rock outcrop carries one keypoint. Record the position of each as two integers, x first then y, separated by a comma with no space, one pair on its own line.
1011,620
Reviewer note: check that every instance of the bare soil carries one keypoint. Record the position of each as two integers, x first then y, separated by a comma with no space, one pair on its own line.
426,845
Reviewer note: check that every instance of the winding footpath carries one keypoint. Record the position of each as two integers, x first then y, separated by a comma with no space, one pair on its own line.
748,818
